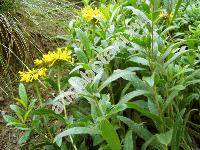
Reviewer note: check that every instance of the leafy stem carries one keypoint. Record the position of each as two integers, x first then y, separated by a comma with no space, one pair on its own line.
38,92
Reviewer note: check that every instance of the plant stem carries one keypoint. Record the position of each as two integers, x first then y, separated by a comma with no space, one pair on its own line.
59,78
166,148
59,87
65,111
38,93
41,105
75,148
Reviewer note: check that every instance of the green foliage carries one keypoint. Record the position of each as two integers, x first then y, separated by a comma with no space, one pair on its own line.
6,5
133,84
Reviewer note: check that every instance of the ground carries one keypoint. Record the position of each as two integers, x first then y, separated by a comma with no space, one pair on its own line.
8,136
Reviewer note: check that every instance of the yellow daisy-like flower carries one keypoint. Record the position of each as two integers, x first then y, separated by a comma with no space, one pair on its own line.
89,14
62,54
31,75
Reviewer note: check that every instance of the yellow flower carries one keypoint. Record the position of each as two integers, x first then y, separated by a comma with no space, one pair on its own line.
162,14
62,54
89,14
38,62
166,15
31,75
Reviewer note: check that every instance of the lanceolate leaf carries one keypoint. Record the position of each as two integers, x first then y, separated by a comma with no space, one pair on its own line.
171,48
24,137
77,130
176,55
137,128
21,102
19,112
139,60
141,132
110,135
10,119
178,129
81,55
165,138
22,93
128,141
140,14
85,41
176,10
48,112
172,96
131,95
144,112
116,75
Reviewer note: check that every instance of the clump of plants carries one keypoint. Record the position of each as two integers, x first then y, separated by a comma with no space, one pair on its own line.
119,84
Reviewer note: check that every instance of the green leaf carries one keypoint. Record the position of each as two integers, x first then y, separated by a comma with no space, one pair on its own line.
171,48
139,60
128,141
19,112
137,128
176,55
131,95
77,130
178,130
110,135
165,138
140,130
140,14
114,13
152,107
19,126
21,102
117,108
22,94
43,111
10,119
30,108
82,36
145,112
148,142
81,55
176,10
172,95
24,137
116,75
149,80
86,2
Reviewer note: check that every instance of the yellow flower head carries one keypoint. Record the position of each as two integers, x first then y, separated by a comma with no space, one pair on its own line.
89,14
31,75
162,14
166,15
62,54
38,62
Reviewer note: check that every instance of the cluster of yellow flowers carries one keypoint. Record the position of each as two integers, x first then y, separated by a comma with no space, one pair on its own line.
166,15
31,75
62,54
89,14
